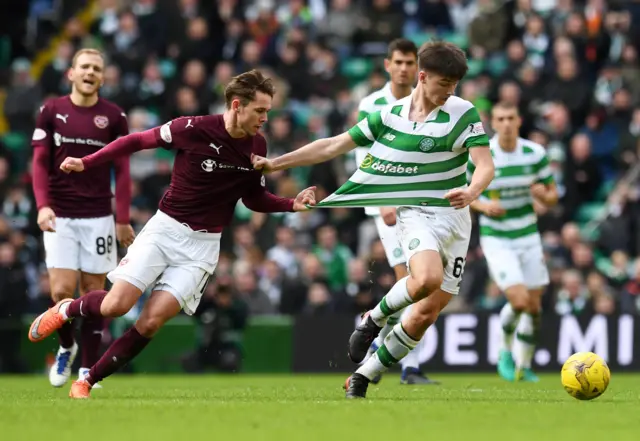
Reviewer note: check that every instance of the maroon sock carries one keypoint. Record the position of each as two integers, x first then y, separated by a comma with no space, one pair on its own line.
91,338
88,305
119,353
65,333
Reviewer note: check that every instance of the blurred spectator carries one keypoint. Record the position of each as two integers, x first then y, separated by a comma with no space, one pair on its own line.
573,296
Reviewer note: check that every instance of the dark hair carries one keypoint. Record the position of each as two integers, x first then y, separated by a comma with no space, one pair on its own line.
245,86
403,46
443,58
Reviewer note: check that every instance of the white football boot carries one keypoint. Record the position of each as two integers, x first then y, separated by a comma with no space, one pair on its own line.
82,373
61,369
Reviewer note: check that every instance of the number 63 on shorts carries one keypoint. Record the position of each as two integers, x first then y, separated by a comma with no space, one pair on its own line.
447,233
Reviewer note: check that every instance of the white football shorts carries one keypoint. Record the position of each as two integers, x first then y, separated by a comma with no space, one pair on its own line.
390,242
88,245
170,256
511,265
447,232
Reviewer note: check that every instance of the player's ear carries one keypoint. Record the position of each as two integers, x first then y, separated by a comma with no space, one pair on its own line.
387,64
422,76
235,105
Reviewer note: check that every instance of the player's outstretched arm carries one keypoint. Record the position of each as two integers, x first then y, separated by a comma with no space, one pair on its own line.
124,146
316,152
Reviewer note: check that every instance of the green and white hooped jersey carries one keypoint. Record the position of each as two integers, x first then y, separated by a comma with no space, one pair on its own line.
373,102
515,173
411,163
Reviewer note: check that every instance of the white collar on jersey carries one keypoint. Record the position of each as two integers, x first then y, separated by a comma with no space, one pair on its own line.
493,142
406,107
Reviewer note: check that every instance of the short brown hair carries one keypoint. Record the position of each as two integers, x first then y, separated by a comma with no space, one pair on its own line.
245,86
87,51
505,105
443,58
403,46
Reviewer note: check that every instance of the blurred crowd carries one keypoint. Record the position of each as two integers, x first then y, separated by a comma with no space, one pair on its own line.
572,68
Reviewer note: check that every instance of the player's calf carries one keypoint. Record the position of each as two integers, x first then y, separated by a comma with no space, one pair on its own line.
527,336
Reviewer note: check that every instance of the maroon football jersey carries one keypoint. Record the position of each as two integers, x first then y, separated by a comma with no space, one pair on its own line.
212,171
69,130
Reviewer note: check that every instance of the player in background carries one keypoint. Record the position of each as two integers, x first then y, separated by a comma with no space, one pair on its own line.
402,65
75,212
429,135
177,251
509,236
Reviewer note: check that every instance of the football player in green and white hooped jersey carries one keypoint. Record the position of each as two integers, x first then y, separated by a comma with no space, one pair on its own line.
509,236
420,147
401,64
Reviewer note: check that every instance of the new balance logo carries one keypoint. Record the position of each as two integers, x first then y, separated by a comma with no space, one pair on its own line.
62,117
188,124
389,136
215,147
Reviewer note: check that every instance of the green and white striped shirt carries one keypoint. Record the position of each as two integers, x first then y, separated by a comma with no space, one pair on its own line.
374,102
515,173
411,163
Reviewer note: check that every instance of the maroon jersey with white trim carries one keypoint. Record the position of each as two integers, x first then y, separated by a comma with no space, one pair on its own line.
212,171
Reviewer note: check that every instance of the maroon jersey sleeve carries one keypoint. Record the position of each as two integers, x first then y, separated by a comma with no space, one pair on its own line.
122,127
123,176
258,198
41,142
180,133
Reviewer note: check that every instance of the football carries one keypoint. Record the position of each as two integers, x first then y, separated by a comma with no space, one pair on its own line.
585,376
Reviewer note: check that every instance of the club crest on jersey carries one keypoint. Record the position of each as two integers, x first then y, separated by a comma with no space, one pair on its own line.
101,121
209,165
263,181
427,144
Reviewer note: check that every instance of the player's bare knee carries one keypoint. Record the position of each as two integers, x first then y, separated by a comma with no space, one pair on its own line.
518,297
149,326
427,281
61,294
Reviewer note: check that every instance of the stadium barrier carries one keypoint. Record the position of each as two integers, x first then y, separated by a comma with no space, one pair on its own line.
471,342
457,343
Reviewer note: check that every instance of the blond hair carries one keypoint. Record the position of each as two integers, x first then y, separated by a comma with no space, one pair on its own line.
87,51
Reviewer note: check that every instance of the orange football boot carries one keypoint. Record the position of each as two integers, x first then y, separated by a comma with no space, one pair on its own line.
47,322
80,389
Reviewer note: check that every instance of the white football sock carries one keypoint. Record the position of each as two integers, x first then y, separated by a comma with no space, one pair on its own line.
396,346
509,320
526,336
395,300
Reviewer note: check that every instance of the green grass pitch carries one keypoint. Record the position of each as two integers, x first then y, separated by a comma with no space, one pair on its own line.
312,407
